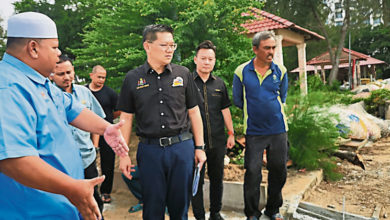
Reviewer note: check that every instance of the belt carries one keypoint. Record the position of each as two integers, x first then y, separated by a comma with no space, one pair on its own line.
166,141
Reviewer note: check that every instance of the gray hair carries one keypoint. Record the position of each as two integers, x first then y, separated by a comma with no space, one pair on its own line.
259,36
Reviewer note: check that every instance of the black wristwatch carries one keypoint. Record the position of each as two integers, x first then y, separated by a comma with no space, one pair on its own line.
199,147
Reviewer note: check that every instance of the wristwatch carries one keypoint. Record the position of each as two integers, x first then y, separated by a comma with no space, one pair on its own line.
201,147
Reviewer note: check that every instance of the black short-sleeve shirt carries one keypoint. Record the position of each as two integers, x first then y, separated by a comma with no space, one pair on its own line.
108,99
213,99
159,101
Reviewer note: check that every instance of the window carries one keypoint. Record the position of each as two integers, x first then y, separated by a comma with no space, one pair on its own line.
339,15
337,5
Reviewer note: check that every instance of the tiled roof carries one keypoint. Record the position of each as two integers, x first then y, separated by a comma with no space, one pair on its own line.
344,57
266,21
366,61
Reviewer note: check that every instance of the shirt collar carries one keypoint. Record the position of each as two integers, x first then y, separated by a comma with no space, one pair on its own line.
73,91
252,66
148,69
196,75
25,69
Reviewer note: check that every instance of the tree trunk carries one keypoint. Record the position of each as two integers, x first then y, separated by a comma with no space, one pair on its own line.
336,59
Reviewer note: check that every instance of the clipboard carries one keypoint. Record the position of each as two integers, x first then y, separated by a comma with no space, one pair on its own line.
195,182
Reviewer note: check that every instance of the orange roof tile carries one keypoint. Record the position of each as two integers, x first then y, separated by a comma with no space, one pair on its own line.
266,21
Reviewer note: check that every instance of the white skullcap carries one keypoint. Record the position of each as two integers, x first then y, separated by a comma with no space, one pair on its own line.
31,25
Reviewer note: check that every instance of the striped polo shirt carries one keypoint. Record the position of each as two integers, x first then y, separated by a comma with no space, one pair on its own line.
261,98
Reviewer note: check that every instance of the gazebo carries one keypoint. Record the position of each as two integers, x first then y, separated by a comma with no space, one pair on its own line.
363,66
287,34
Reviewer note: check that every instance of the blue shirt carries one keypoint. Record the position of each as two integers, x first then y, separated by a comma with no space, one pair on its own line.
261,98
34,121
83,139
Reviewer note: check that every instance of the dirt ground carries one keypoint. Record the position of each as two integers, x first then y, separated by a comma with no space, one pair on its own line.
363,190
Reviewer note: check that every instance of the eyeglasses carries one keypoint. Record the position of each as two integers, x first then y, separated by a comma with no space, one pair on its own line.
166,46
170,46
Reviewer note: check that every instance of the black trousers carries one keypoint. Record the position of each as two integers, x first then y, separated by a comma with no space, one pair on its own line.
89,173
215,166
107,163
276,146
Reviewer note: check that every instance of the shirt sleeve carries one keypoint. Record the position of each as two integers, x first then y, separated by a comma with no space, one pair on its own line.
126,100
17,125
237,92
192,94
72,107
284,88
95,105
225,97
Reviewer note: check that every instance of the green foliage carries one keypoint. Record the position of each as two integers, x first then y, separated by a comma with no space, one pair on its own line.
70,17
2,42
312,138
238,159
120,49
377,99
319,94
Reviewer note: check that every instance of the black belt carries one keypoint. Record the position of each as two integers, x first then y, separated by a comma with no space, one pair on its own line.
167,141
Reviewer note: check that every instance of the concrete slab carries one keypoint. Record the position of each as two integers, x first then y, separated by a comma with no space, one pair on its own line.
295,189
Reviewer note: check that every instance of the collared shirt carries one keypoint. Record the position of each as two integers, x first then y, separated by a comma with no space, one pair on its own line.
214,98
34,121
261,98
83,139
108,99
159,101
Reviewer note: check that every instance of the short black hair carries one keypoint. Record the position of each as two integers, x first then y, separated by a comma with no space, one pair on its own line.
149,33
19,41
64,58
207,44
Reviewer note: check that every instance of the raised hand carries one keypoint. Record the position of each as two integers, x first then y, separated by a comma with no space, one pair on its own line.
114,138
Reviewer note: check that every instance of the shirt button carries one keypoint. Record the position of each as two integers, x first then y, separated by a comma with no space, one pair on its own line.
162,113
160,89
161,102
158,77
162,126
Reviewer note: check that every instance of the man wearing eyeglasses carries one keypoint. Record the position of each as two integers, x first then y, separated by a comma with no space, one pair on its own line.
163,98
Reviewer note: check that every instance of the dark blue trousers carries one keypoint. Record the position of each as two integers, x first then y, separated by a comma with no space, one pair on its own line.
166,178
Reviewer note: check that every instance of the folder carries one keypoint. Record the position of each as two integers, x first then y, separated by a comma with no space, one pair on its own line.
195,182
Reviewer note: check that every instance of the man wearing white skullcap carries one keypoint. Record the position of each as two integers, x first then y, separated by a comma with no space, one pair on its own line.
41,172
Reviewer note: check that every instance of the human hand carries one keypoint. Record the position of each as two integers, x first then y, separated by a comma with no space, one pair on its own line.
230,142
114,138
81,196
126,167
200,158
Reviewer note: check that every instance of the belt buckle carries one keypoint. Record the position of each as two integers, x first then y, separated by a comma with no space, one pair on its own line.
163,143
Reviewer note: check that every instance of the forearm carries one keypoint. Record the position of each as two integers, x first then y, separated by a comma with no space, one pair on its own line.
127,126
227,117
91,122
196,125
33,172
95,139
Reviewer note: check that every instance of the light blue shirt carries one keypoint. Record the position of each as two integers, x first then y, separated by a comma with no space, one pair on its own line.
83,139
34,121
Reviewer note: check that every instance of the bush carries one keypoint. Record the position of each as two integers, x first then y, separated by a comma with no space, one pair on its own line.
312,138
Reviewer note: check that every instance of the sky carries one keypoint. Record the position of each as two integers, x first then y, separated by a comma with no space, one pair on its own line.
6,10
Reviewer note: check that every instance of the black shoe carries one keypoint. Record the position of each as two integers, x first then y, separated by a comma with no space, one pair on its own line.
216,216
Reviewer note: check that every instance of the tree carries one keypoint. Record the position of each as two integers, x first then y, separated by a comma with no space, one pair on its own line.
114,37
314,15
71,16
2,42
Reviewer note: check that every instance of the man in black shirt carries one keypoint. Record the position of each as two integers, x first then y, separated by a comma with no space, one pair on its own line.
107,98
163,98
214,107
